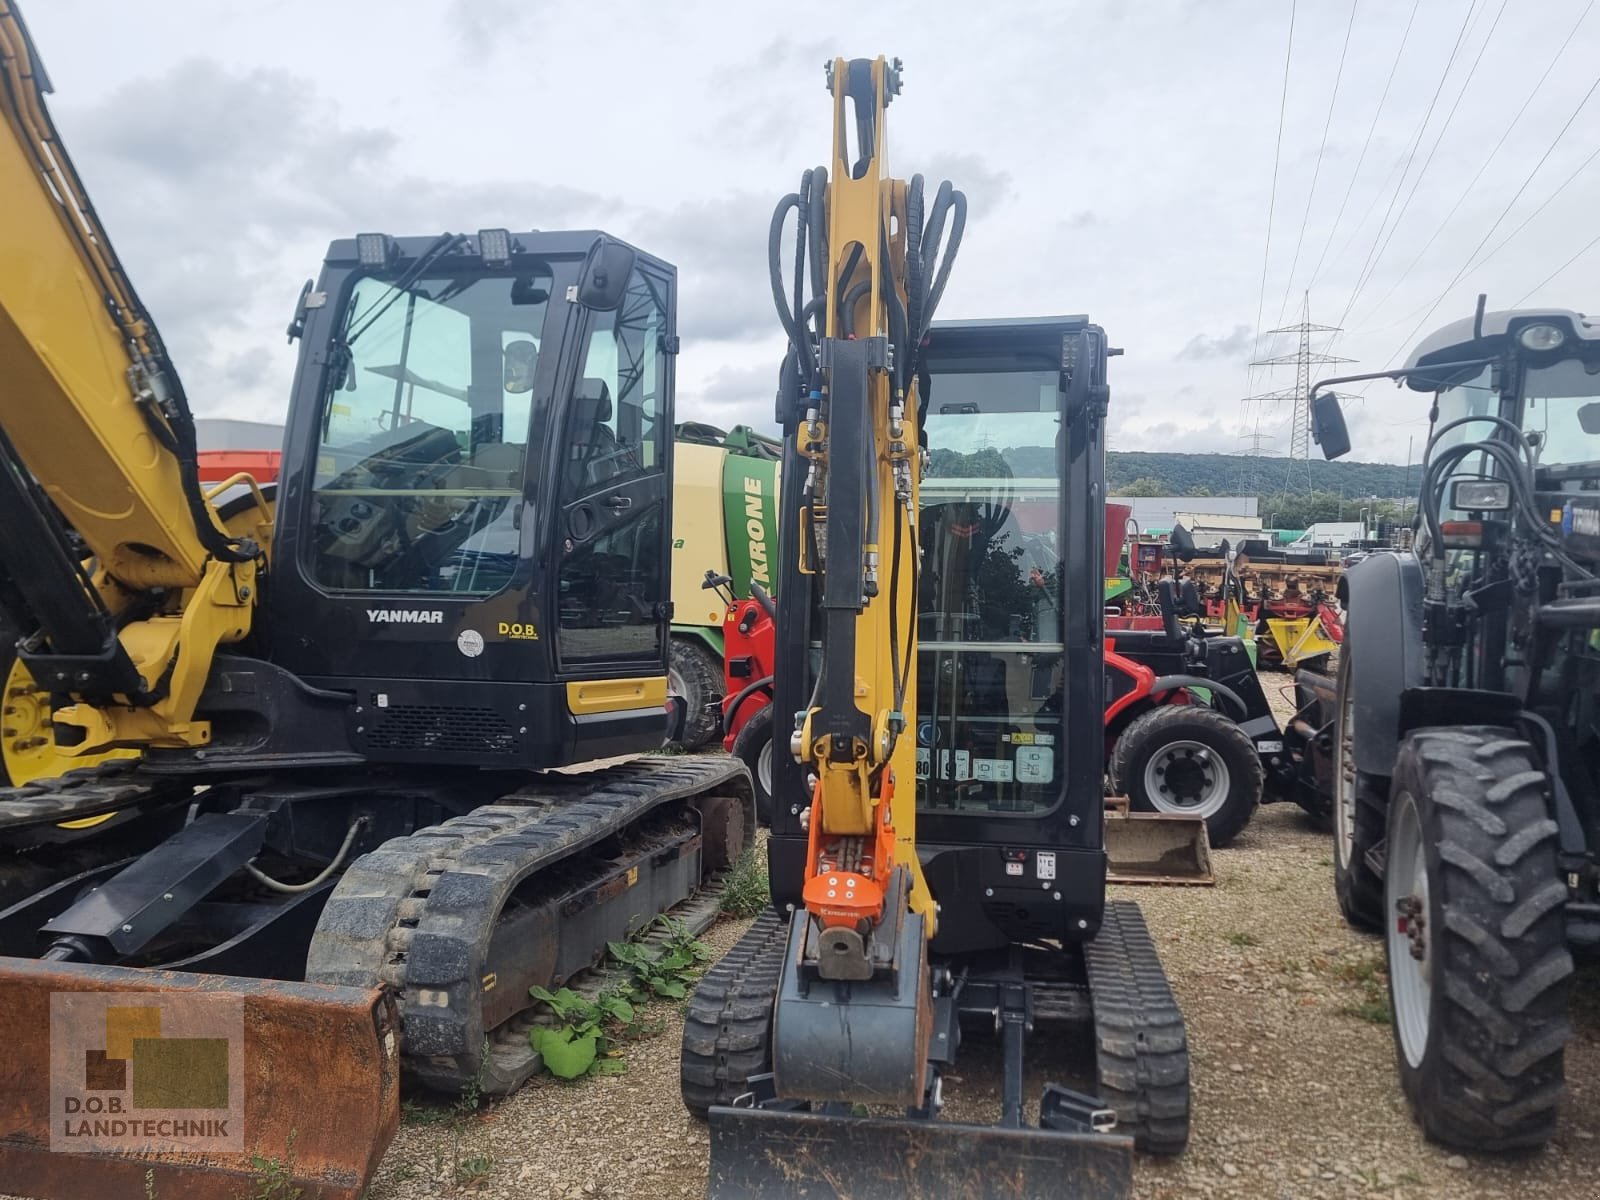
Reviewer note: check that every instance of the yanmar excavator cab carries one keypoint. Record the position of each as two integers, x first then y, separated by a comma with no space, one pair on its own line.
937,855
322,838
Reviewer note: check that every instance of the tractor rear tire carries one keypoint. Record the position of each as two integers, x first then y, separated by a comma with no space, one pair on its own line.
695,674
1360,809
753,746
1479,970
1193,760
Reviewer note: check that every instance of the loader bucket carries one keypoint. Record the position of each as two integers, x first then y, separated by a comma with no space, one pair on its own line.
123,1082
1156,847
759,1152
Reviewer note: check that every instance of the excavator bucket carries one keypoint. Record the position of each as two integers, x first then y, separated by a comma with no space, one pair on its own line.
758,1152
123,1082
1156,847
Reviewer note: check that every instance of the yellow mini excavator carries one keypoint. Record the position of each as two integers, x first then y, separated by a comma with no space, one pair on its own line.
937,855
280,829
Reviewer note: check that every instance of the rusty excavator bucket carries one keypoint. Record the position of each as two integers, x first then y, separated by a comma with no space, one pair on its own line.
1156,847
123,1082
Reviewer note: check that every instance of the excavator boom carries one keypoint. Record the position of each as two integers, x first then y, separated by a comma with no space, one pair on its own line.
96,437
123,584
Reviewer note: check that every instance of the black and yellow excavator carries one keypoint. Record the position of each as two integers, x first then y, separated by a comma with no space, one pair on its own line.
281,827
937,854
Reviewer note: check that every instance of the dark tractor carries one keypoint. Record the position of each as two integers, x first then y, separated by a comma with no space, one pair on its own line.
1466,734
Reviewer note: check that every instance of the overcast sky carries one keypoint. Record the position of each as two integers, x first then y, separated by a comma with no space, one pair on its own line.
1118,156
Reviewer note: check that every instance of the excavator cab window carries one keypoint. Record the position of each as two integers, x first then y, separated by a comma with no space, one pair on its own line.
614,484
424,435
989,667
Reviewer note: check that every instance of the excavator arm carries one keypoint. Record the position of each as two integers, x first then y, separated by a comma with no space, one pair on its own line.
112,559
864,1013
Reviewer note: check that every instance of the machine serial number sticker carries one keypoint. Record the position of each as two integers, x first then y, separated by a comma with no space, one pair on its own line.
1044,864
1013,868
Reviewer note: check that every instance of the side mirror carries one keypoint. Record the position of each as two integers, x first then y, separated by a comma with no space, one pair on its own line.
1327,425
603,281
1182,543
1589,418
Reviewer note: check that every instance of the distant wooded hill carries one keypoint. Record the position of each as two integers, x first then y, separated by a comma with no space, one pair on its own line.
1143,473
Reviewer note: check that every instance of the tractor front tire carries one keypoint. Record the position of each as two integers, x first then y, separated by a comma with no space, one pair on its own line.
695,674
1190,760
1479,970
1360,808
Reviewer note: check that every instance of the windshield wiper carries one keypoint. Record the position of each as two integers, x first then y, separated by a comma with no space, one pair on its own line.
445,243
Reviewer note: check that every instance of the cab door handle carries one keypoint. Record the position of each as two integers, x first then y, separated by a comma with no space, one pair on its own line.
618,503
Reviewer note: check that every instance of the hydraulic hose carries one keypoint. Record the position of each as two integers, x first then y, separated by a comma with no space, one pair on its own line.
294,889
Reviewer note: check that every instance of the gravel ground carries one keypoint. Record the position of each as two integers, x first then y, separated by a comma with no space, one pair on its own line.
1295,1093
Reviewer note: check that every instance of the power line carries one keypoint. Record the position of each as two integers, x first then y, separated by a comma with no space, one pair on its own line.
1594,241
1316,171
1456,278
1362,157
1364,274
1561,187
1434,149
1272,199
1473,182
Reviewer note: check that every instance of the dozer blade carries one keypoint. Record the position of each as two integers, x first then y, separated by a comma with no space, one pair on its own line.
123,1082
767,1153
1156,848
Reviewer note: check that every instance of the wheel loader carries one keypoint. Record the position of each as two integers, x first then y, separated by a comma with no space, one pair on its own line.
285,828
915,907
1465,737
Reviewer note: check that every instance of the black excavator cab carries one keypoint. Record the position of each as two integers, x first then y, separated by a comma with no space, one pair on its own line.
470,559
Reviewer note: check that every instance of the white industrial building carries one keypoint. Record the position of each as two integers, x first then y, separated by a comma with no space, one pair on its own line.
1158,514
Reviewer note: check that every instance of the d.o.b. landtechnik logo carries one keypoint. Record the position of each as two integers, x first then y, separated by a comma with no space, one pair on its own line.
146,1071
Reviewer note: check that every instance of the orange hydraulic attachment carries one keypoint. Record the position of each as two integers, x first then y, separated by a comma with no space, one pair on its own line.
848,880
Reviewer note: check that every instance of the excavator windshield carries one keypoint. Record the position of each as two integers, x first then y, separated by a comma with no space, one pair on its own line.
424,432
989,669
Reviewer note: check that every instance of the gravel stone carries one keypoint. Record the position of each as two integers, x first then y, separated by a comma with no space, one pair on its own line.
1318,1114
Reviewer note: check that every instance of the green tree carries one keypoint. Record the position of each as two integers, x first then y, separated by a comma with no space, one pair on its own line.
1142,486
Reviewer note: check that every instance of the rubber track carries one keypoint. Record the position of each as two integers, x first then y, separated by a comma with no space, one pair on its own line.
1142,1051
89,792
727,1029
416,914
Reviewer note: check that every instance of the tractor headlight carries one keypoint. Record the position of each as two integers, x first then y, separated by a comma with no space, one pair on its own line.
494,247
375,249
1542,337
1481,495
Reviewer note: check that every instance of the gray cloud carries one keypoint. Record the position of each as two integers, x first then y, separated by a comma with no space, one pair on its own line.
481,26
222,189
720,248
986,186
1234,345
740,395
